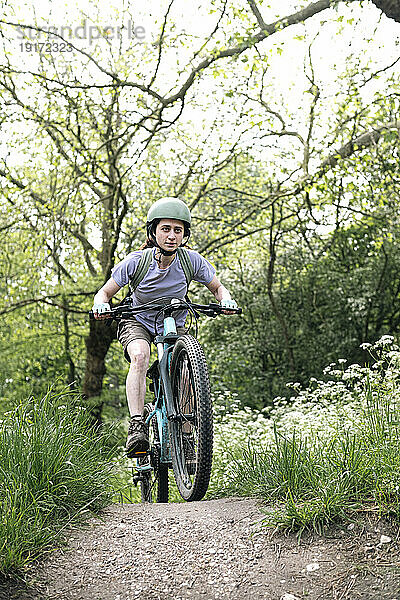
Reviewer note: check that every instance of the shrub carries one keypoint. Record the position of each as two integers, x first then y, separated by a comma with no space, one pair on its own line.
53,469
332,451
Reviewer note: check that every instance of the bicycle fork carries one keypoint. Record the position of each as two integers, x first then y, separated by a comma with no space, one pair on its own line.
164,349
167,410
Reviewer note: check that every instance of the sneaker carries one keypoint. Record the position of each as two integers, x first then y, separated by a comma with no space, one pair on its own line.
138,439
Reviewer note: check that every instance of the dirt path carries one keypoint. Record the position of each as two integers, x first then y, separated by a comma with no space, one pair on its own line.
212,550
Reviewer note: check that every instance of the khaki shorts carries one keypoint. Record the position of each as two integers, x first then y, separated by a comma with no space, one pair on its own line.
130,330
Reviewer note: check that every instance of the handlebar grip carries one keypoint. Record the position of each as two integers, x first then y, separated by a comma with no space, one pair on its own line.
218,309
234,311
92,317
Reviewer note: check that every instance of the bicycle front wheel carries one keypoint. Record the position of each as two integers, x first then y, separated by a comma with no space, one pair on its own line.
191,433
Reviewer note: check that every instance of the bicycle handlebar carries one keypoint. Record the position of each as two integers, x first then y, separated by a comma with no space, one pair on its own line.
123,311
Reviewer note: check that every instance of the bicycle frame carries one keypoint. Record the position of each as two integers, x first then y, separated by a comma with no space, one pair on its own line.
164,406
166,418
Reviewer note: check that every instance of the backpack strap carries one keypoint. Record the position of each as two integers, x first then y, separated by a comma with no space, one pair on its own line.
141,269
186,263
145,262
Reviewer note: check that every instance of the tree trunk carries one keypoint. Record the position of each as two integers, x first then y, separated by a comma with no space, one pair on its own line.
71,377
97,344
270,291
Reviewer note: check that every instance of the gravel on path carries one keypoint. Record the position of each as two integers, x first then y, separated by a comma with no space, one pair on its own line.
211,550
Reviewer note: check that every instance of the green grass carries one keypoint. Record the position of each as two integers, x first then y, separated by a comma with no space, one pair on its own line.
54,470
311,478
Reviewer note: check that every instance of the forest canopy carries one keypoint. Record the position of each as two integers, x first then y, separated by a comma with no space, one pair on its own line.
279,126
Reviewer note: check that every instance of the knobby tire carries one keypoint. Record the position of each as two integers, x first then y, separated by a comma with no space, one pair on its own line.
191,434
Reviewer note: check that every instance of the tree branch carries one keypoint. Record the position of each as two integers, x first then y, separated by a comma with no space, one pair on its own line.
46,300
303,183
257,14
359,143
267,31
160,44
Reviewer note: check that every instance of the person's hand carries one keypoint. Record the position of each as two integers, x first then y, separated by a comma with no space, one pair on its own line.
229,304
101,310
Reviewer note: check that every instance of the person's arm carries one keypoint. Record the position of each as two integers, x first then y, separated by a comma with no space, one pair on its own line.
221,293
101,300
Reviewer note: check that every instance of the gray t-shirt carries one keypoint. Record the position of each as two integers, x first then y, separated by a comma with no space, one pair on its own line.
158,283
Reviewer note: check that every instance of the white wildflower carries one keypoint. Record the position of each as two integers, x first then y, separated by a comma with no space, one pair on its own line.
365,346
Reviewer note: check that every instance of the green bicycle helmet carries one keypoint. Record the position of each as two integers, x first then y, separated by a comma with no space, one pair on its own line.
167,208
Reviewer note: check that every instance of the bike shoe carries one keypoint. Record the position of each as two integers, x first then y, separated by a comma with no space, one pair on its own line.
138,439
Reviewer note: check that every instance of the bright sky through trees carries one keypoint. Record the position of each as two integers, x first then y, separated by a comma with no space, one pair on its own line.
353,39
270,143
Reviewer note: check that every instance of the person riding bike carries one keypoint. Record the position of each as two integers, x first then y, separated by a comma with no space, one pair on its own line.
168,228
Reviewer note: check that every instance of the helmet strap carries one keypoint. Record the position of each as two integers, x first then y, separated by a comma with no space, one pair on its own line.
166,252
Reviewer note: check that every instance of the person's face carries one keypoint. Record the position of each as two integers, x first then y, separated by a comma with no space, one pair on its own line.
169,234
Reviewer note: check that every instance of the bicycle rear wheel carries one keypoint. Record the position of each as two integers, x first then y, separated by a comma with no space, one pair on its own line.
154,473
191,434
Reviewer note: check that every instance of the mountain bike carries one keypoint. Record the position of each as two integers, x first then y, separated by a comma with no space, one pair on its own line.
179,420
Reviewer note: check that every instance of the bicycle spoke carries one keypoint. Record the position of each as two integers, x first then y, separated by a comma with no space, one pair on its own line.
191,433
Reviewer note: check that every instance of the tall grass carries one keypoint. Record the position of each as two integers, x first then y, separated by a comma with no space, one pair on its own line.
312,475
53,470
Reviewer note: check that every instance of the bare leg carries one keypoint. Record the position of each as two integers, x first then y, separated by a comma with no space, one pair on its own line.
139,353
